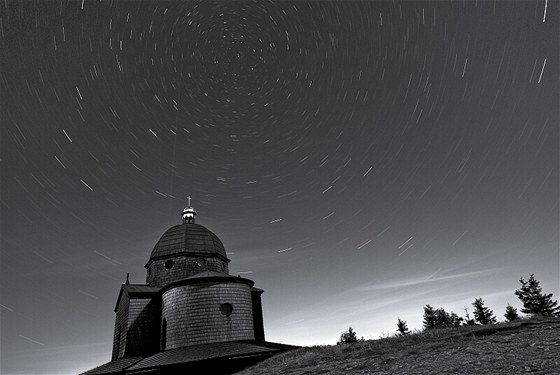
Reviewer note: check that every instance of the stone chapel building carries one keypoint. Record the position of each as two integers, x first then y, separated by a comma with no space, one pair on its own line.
191,315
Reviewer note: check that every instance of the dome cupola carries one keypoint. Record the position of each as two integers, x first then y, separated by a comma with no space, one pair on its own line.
185,250
190,240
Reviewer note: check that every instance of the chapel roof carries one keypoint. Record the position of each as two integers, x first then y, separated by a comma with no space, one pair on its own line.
189,239
201,353
205,274
136,291
114,367
208,276
211,351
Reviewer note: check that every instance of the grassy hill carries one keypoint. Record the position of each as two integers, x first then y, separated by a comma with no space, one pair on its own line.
523,347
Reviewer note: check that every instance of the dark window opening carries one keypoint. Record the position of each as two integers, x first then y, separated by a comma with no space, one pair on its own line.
226,309
201,262
169,264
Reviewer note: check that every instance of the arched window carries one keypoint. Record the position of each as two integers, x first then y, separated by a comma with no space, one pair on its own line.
163,333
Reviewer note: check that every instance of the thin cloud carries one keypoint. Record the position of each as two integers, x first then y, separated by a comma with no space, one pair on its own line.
421,281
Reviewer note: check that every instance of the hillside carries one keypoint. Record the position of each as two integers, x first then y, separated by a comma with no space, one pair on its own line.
525,347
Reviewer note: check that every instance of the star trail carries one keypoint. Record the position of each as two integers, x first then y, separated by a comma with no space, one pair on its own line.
359,159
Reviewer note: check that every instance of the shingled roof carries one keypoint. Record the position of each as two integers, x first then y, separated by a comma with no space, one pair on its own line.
114,367
203,352
249,352
188,238
136,291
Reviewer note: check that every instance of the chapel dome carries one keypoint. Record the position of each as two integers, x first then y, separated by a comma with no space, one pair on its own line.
188,239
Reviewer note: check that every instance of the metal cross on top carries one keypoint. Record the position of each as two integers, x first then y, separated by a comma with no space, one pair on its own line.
188,213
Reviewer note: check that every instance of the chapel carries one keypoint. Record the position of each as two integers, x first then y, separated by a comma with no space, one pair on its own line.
191,315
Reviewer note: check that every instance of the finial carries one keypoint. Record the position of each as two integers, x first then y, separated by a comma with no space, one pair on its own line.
188,213
127,275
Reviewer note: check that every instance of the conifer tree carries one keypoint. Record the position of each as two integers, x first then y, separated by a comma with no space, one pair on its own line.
402,327
348,337
455,320
439,318
511,313
429,318
483,314
533,299
468,320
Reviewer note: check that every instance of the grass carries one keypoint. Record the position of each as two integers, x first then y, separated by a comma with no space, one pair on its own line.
362,357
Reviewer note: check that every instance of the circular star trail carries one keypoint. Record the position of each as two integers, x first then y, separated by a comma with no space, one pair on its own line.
363,158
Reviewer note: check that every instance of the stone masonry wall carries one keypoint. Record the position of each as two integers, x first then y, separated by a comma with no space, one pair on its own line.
193,314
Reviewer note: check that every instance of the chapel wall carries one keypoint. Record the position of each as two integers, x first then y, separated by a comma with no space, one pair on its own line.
143,332
119,335
194,313
258,322
159,274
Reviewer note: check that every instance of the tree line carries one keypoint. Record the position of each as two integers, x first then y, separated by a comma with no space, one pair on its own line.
535,303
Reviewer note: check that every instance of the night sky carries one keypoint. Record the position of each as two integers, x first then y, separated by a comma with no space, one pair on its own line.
357,159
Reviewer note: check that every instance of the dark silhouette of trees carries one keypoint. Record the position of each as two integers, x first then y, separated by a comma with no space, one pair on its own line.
444,319
439,318
483,314
454,320
535,302
468,321
402,327
511,313
349,337
429,319
533,299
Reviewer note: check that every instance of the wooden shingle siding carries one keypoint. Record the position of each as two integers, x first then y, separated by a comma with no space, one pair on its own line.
121,322
183,267
137,323
189,238
143,335
193,313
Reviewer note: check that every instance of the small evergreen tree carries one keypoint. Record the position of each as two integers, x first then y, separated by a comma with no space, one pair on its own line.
511,313
483,314
468,320
348,337
533,299
455,320
402,328
439,318
429,317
